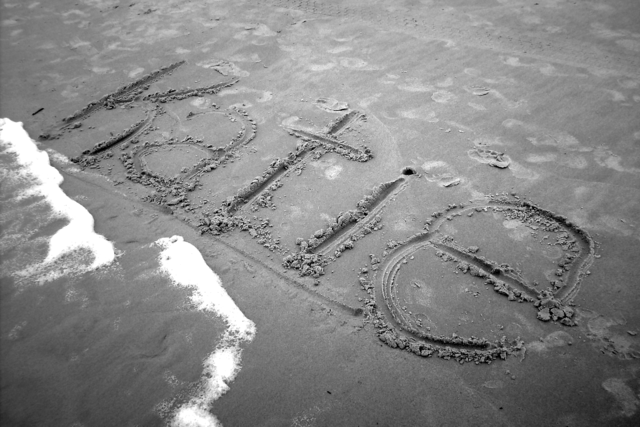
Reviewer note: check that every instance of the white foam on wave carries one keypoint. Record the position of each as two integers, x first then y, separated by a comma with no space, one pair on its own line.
184,264
44,181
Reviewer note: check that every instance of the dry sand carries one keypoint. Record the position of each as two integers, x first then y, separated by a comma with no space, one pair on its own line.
428,209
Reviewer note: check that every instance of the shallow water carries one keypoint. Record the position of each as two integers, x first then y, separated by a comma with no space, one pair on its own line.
454,90
90,323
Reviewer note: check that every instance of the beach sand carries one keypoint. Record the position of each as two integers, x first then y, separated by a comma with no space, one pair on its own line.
311,213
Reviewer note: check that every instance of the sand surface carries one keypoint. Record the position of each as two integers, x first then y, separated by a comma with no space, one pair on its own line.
425,213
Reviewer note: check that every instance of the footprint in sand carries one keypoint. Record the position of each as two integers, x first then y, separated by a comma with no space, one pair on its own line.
443,97
415,85
553,340
329,169
480,91
610,335
445,83
224,67
356,63
606,158
332,172
441,173
322,67
135,72
364,103
616,96
331,104
544,68
477,90
571,161
420,113
261,30
261,96
521,172
547,137
518,231
626,399
574,161
474,72
201,103
490,157
567,147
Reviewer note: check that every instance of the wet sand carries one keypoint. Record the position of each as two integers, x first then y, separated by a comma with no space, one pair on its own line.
429,211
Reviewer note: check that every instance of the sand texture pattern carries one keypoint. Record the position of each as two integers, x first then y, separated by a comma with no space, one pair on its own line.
320,212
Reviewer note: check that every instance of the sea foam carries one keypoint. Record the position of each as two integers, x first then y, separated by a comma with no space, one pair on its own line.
38,179
184,264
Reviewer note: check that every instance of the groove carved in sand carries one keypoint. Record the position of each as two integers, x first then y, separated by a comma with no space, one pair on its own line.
123,95
383,308
172,191
352,225
314,145
342,232
396,328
